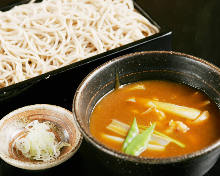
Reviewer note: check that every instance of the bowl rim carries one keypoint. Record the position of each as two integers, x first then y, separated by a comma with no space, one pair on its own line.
138,159
49,164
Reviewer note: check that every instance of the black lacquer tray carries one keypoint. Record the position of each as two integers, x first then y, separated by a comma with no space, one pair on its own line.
57,87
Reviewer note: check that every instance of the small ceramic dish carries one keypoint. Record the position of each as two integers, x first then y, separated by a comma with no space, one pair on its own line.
152,65
12,126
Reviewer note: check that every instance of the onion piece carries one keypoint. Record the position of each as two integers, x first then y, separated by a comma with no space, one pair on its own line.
148,110
113,138
155,147
182,111
117,139
204,116
169,138
138,87
158,140
118,127
133,100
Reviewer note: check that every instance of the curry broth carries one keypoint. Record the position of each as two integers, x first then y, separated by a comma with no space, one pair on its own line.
115,106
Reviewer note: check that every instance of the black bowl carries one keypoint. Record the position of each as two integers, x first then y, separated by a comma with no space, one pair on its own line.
155,65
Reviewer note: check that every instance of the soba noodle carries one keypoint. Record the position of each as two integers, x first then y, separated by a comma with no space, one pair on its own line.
39,37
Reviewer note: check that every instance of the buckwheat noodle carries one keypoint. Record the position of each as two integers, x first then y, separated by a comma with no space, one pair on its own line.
39,37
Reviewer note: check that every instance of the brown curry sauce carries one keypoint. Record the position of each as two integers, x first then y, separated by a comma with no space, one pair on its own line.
115,106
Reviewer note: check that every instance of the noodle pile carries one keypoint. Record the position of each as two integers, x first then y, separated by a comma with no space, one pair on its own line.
39,37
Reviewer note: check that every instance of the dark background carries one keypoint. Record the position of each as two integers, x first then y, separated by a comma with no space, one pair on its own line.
196,30
195,25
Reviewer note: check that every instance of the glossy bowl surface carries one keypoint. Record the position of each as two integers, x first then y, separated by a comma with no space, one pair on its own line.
152,65
12,126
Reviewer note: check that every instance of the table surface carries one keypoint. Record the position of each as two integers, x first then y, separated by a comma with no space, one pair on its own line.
195,25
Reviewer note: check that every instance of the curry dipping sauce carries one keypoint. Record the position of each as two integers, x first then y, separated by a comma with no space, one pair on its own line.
156,119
